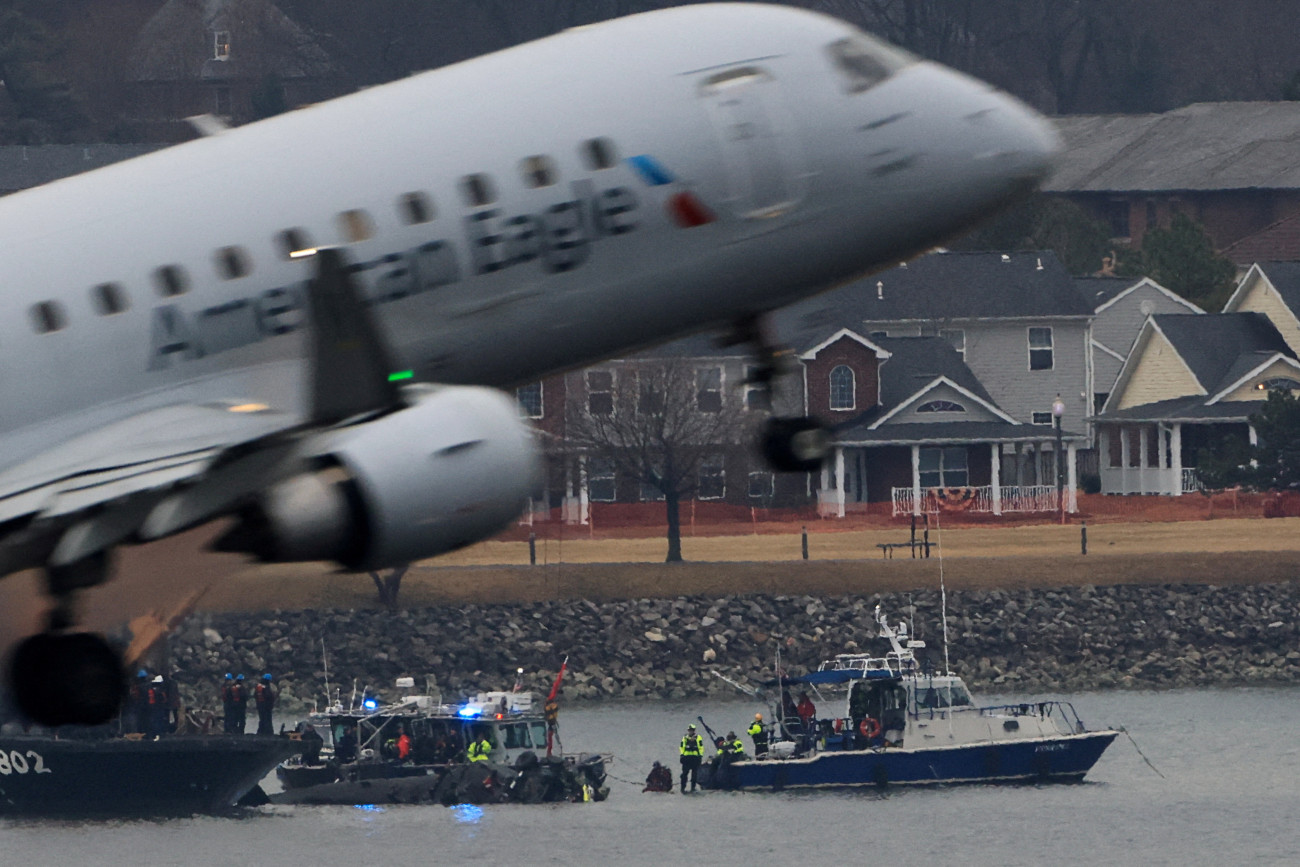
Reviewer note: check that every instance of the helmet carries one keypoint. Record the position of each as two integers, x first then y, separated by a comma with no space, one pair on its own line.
229,676
142,674
239,677
758,716
731,736
157,678
691,727
266,676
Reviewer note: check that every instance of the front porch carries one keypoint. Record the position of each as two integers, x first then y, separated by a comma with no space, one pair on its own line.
1158,457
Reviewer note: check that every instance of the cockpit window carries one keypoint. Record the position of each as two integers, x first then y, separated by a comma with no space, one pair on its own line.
864,64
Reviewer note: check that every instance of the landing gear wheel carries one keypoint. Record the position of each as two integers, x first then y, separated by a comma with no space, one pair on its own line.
795,445
67,678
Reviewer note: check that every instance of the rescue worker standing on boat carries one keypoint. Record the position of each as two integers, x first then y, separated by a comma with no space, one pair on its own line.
264,695
239,703
480,750
759,735
692,749
228,704
159,706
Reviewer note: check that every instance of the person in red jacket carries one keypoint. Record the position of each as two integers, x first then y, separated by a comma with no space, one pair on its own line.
403,745
264,696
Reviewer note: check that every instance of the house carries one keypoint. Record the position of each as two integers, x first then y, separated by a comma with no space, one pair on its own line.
1271,288
1233,167
235,59
1120,306
1189,382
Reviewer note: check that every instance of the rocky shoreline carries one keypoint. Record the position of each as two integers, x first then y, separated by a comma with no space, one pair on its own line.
1045,641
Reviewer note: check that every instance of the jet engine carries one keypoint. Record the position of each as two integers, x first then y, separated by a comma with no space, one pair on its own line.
455,466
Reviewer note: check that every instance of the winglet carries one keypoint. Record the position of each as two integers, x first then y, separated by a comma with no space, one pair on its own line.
351,366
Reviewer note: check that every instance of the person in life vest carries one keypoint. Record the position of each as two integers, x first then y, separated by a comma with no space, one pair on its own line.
692,750
228,704
264,696
660,779
806,710
345,749
480,750
159,706
403,744
239,705
758,733
135,714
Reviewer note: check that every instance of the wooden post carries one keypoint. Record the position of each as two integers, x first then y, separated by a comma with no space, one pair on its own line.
805,543
1083,538
532,549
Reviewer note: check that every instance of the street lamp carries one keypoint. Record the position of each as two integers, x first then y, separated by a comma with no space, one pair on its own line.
1058,410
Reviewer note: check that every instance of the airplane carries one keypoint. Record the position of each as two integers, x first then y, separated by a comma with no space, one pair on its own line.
304,325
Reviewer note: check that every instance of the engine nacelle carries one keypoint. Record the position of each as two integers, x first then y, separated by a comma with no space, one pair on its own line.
455,467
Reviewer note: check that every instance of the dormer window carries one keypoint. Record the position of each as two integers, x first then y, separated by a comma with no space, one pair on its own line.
941,406
842,388
1279,383
221,45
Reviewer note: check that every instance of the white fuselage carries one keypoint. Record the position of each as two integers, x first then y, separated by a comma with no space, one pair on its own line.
529,267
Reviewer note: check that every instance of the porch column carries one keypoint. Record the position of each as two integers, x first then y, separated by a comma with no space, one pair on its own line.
1144,449
1020,464
1071,479
1103,455
1124,449
916,480
584,492
995,476
839,481
1252,435
1176,458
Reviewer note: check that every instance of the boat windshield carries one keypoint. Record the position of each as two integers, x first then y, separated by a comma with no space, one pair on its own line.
947,695
516,736
539,734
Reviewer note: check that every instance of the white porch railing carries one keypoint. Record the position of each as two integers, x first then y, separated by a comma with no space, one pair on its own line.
1015,498
1146,480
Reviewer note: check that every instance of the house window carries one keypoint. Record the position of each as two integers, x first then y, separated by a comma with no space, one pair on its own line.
941,406
415,208
477,190
47,317
1042,418
957,337
944,468
539,171
762,484
708,389
221,101
599,153
600,480
600,392
1040,348
842,391
758,395
650,395
1280,383
356,225
712,478
530,400
109,298
221,45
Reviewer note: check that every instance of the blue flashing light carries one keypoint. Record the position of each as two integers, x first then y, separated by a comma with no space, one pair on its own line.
370,704
467,814
467,712
368,808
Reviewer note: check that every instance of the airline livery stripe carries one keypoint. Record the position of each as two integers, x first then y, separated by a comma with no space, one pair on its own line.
650,171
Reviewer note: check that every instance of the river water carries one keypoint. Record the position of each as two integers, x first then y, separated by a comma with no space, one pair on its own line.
1230,793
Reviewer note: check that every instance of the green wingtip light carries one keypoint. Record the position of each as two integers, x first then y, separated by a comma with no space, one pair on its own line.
400,375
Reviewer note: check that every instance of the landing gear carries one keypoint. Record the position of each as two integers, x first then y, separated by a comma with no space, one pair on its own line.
790,444
63,677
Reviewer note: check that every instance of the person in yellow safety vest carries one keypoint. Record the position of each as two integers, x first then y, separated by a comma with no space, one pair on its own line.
735,746
480,750
692,750
759,735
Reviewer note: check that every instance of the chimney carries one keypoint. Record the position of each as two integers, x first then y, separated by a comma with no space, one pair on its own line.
880,290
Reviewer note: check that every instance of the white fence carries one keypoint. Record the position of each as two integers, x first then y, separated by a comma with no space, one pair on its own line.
1146,480
1015,498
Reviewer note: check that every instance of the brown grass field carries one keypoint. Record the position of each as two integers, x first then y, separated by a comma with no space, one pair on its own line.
1223,551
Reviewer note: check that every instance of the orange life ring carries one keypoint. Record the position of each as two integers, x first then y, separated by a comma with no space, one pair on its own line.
869,727
839,726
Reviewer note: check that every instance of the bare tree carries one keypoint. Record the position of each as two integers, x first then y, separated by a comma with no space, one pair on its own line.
664,427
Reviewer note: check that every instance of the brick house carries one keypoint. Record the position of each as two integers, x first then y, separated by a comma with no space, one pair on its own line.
1233,167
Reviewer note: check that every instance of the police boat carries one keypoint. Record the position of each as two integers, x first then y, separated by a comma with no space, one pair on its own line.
897,724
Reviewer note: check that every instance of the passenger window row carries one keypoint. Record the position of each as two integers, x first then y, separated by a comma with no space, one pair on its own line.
355,225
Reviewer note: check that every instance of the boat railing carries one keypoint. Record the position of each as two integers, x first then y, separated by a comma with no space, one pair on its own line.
1061,712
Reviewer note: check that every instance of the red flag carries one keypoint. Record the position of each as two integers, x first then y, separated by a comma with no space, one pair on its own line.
555,687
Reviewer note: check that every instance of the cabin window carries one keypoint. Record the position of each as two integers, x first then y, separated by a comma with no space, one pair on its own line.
600,480
539,734
539,171
712,478
232,263
109,298
478,190
415,208
171,280
944,468
1040,348
516,736
530,400
762,484
600,392
842,388
708,389
941,406
863,64
294,243
356,225
599,153
221,45
47,317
